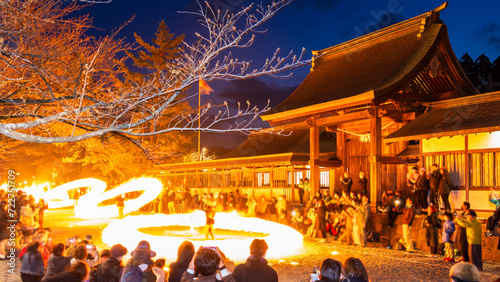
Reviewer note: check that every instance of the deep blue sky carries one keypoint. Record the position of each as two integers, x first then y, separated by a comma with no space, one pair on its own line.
474,27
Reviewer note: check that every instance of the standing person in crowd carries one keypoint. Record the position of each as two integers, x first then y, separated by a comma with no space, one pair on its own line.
363,214
301,191
494,219
411,180
256,267
434,179
205,263
432,224
363,184
355,270
209,224
281,208
396,205
298,221
445,186
251,207
133,271
57,262
474,238
331,271
80,254
42,206
464,272
32,269
421,189
171,201
448,229
461,238
243,203
321,219
346,183
120,204
273,214
110,270
185,253
347,234
158,270
261,207
4,233
407,221
307,190
78,272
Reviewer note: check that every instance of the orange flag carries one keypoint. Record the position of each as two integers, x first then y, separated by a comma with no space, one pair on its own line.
204,87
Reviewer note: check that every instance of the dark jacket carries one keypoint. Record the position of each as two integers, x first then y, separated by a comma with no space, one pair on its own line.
188,277
346,184
445,184
131,272
408,215
422,183
255,269
55,265
434,179
363,186
64,277
109,271
177,268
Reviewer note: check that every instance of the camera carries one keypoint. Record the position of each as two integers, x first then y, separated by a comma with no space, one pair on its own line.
314,277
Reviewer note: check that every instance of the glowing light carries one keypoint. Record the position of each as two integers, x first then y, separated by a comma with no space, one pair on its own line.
335,253
87,206
58,197
282,239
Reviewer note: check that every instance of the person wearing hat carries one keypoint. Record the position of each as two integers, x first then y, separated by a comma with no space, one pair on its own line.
136,266
421,189
110,270
143,245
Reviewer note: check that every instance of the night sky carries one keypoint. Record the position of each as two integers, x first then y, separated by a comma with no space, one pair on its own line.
473,26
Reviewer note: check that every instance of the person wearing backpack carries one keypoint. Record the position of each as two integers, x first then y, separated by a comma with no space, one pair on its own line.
432,224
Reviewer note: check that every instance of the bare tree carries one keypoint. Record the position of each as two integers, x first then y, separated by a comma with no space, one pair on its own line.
54,76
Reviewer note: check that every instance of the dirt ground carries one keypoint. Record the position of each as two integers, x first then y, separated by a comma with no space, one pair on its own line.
382,264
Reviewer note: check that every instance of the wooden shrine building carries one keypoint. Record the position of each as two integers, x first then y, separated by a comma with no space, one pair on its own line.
384,98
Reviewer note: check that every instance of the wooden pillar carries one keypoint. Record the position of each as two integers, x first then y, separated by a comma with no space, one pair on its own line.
314,159
375,154
467,168
293,183
341,155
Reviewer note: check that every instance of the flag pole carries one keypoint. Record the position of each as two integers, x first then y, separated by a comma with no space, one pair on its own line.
199,118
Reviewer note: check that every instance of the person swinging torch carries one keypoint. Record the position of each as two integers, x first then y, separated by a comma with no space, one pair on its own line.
209,226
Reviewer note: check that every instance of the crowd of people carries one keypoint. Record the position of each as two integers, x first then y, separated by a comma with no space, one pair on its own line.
342,216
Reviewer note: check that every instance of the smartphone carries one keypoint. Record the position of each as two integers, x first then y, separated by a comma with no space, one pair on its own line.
314,277
72,240
89,247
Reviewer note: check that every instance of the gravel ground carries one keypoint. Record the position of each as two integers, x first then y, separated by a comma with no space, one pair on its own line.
382,264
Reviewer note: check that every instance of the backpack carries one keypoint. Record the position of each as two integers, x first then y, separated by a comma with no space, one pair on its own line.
439,225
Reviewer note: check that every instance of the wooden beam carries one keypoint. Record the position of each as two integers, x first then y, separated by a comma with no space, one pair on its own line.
313,158
334,163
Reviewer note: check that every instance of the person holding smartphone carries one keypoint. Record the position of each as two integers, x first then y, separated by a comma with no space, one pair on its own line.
209,264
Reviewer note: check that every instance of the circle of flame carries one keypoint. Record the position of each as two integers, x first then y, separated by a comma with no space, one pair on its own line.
282,240
58,197
87,206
